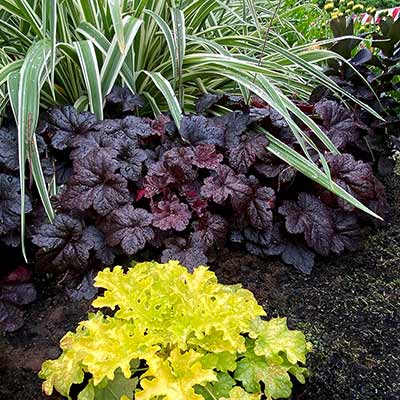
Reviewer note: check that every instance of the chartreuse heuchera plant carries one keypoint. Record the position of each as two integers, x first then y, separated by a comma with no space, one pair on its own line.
176,335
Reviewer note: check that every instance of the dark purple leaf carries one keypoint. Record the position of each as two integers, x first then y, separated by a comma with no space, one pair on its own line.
205,156
131,162
84,290
66,243
256,203
66,123
124,98
11,317
96,185
130,228
292,251
10,204
206,101
157,179
191,255
311,217
224,131
19,295
171,214
338,123
245,154
225,183
9,149
355,177
347,232
212,229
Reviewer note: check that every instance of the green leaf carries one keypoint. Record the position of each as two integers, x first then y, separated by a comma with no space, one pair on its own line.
273,338
88,60
166,90
114,60
26,110
218,389
178,21
116,16
220,361
252,370
110,390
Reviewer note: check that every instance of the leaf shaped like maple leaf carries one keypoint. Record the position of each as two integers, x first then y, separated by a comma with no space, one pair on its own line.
211,229
337,122
66,243
347,232
125,99
66,123
224,131
175,377
9,149
223,184
312,218
171,214
356,177
245,154
129,228
253,370
10,204
273,338
95,185
256,203
131,162
291,249
205,156
190,254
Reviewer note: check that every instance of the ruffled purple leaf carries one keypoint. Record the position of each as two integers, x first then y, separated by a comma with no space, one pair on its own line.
125,99
337,122
95,185
9,149
211,229
245,154
129,228
223,184
191,254
224,131
256,203
10,204
65,124
171,214
66,243
309,216
205,156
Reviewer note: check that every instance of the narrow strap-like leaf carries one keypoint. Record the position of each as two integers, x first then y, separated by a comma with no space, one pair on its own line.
91,74
116,16
115,60
166,90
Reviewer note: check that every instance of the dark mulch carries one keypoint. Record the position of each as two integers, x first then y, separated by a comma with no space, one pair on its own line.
349,309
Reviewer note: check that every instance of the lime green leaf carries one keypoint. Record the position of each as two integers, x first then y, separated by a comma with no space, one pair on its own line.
215,390
253,369
273,337
175,377
220,361
238,393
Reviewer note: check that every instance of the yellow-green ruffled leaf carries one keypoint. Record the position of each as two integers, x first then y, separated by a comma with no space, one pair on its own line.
253,370
238,393
223,361
175,377
274,337
181,307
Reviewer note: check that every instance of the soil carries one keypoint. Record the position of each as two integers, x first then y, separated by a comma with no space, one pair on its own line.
349,308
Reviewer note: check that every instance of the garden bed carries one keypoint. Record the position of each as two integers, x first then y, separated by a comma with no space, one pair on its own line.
349,308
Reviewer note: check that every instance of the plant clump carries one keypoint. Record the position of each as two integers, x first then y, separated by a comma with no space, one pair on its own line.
179,336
